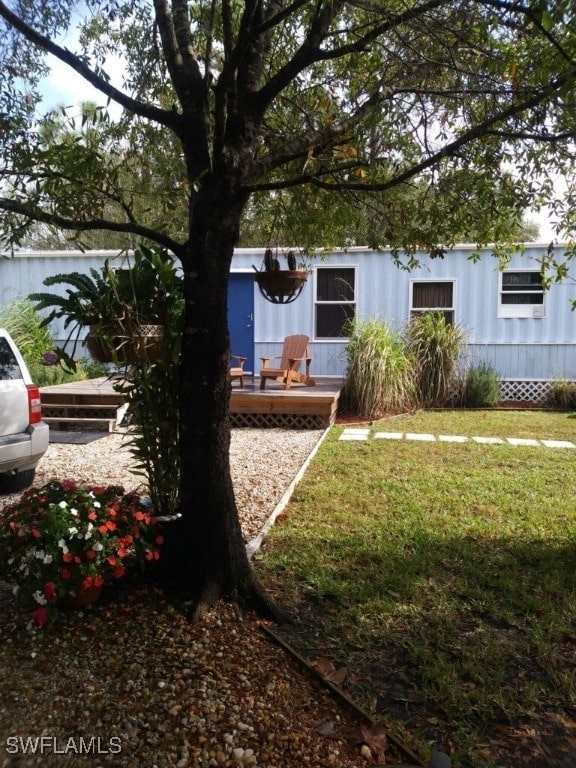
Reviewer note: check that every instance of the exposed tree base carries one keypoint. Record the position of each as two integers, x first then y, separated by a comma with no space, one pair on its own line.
196,603
195,589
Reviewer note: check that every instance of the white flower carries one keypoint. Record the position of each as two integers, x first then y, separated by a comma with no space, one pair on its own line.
62,545
39,554
97,504
15,589
97,546
74,512
21,532
47,559
72,531
39,597
63,504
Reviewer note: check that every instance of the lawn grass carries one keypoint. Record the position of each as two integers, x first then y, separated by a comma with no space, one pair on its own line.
442,575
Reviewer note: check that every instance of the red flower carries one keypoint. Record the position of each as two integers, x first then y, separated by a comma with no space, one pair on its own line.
68,557
87,583
35,533
119,571
90,555
102,529
66,573
92,515
69,485
98,580
40,615
50,590
159,540
111,560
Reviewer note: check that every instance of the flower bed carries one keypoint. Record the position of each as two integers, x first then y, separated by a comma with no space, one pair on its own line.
60,539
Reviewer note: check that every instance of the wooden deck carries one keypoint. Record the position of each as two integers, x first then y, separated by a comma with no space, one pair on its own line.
299,407
95,404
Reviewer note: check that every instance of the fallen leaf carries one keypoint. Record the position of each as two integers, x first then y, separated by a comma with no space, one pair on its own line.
338,676
374,737
325,667
326,729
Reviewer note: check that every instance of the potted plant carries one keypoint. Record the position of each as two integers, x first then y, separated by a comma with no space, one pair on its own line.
60,543
280,286
124,310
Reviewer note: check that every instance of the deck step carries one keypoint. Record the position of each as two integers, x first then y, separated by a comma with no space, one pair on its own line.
94,424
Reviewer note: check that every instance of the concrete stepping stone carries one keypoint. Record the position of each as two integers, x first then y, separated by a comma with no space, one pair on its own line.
452,439
488,440
388,435
558,444
422,437
522,441
355,434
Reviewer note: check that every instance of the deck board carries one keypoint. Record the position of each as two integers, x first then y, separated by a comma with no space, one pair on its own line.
298,407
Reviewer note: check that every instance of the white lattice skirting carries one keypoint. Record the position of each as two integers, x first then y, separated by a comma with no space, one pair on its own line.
535,391
279,421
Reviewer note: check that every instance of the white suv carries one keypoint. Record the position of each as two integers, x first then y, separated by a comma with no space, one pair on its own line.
23,434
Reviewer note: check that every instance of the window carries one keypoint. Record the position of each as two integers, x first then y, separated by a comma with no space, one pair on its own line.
432,296
9,368
521,294
335,301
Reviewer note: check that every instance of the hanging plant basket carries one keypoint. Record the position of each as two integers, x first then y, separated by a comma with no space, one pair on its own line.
144,344
281,286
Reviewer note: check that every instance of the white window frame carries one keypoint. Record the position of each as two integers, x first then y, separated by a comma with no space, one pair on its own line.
419,310
536,310
353,303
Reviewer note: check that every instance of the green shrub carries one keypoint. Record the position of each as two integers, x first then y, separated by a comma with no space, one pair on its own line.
24,324
435,346
481,387
562,395
379,375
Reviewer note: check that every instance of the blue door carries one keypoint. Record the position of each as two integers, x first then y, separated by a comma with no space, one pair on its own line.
241,316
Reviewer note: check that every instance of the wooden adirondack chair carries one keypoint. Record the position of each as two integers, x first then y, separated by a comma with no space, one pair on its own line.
294,352
237,369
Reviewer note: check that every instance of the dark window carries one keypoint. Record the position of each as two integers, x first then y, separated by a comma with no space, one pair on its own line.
430,296
522,288
9,368
335,301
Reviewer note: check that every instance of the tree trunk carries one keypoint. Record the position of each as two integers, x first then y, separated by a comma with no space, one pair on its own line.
204,554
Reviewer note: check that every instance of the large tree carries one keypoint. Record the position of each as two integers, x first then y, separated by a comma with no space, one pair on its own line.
443,116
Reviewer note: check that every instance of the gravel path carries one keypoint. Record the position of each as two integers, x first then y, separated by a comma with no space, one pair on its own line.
108,461
130,683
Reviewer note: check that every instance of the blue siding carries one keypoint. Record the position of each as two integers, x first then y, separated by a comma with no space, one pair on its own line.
519,348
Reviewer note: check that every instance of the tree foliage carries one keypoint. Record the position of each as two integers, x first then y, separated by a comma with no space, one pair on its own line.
440,118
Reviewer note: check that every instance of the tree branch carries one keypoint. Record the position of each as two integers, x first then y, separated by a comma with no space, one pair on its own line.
37,214
450,150
310,51
148,111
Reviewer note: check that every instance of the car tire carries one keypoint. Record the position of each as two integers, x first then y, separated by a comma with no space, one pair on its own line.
10,482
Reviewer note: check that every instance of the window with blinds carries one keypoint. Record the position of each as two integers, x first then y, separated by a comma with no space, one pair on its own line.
432,296
521,294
